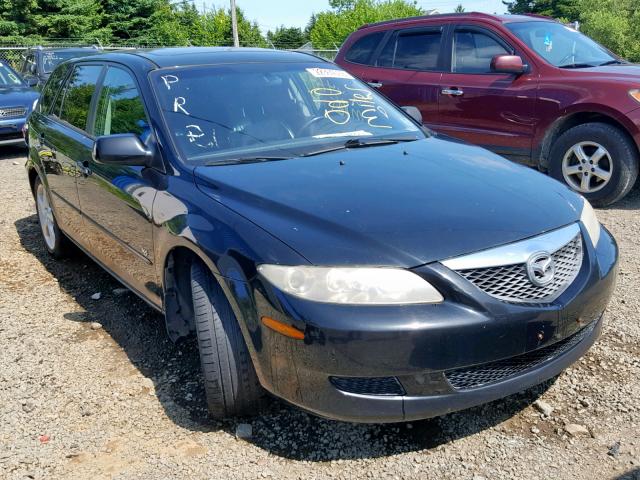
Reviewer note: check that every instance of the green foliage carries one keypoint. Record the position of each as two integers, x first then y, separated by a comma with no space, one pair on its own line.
459,9
615,24
287,37
137,22
568,10
333,27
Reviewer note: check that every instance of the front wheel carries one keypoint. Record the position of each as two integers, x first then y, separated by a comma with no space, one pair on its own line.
597,160
56,242
231,383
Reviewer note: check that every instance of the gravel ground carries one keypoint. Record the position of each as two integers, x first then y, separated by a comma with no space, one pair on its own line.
93,389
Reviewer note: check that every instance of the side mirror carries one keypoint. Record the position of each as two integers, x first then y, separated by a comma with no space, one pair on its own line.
413,112
122,149
31,81
507,64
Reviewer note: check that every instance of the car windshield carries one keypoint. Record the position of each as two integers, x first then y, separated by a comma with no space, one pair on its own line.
51,59
562,46
8,77
222,113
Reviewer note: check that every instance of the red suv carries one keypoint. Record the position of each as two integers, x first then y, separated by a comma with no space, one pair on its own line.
526,87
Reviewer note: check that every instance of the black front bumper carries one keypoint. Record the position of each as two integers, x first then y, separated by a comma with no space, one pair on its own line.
422,360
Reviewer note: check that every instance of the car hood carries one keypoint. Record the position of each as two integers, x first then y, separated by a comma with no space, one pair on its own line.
396,205
17,96
622,71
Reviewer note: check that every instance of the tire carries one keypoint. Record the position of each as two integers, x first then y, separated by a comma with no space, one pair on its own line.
231,383
56,242
588,142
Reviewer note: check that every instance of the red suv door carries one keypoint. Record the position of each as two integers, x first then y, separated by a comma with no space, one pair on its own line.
495,110
406,67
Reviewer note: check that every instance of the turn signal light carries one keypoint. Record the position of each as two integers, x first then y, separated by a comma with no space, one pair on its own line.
635,93
283,328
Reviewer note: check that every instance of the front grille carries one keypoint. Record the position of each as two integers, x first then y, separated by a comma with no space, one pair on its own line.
368,385
479,375
511,283
12,112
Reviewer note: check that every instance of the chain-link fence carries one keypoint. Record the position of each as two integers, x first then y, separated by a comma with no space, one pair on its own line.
14,54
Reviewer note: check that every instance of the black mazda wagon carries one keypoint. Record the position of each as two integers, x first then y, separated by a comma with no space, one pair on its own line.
320,244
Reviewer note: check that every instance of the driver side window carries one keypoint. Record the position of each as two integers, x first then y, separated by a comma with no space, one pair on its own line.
473,52
119,107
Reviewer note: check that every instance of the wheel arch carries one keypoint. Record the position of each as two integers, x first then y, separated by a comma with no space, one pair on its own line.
32,173
176,287
564,123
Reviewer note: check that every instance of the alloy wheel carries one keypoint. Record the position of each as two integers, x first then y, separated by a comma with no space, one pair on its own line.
587,167
45,214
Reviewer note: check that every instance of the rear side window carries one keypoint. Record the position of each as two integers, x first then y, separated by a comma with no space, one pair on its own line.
473,52
120,108
413,51
29,65
362,49
78,93
51,88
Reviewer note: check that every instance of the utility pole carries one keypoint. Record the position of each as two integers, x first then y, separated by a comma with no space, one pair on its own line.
234,24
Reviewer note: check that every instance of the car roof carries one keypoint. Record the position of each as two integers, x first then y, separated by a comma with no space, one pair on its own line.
460,16
188,56
65,49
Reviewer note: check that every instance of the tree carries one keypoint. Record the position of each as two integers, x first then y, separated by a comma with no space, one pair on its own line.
459,9
287,37
77,19
615,24
132,20
331,28
568,10
310,24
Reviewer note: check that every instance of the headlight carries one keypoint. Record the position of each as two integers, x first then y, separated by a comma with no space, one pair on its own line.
35,104
590,221
635,94
355,286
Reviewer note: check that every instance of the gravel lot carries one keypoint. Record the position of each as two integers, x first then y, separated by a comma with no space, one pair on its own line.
93,389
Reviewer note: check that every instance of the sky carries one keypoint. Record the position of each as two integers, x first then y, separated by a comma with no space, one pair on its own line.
270,14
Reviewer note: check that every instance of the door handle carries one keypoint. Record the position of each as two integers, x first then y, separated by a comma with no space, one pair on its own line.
455,92
374,84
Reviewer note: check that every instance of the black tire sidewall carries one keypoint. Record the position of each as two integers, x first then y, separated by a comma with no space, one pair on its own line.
231,383
621,148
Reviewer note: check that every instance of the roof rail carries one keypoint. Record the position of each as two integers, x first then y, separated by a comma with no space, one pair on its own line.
425,17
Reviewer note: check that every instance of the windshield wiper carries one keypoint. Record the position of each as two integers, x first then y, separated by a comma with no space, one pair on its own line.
579,65
359,143
240,160
613,62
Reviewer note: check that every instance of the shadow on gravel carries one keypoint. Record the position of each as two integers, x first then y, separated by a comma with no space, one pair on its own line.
630,475
280,429
630,202
13,152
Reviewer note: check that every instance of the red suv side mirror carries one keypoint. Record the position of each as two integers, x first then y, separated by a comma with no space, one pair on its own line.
507,64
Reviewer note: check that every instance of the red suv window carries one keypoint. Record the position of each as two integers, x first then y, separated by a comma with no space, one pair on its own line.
473,51
362,50
413,50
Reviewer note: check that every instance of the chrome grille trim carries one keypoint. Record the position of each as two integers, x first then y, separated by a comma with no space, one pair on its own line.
509,282
517,252
12,112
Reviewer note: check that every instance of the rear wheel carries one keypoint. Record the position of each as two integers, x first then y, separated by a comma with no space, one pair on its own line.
56,242
231,383
597,160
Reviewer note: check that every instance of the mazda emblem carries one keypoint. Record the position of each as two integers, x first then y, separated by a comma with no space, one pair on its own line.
541,269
